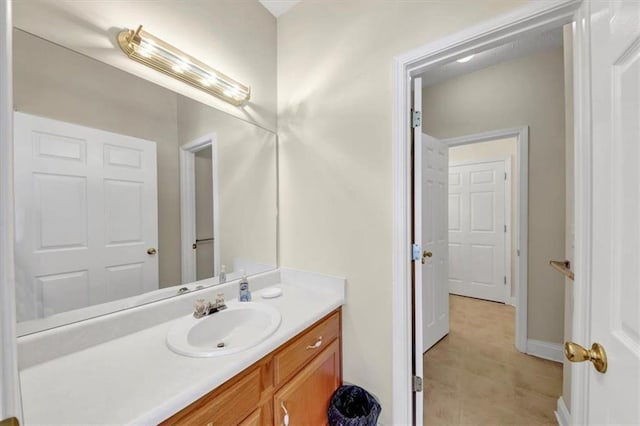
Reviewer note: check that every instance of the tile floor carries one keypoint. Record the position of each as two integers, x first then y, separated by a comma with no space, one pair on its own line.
475,376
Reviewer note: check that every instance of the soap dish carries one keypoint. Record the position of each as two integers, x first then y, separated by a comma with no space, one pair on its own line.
271,292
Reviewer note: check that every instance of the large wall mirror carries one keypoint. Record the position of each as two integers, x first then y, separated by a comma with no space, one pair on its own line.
126,192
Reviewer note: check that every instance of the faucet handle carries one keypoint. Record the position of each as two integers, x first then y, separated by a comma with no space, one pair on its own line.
201,308
219,299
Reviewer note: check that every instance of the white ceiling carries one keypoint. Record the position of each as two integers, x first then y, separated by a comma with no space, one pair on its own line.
516,49
278,7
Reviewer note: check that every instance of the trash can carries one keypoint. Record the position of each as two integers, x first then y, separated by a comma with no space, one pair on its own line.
353,406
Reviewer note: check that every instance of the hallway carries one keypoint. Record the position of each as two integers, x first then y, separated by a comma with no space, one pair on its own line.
475,376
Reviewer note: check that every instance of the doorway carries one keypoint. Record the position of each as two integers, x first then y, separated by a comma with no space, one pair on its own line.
199,209
416,63
487,150
480,221
478,264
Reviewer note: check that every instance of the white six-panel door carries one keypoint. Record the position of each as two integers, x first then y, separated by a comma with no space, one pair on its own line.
477,230
614,302
86,215
435,294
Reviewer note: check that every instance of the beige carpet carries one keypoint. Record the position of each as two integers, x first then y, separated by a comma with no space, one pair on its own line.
475,376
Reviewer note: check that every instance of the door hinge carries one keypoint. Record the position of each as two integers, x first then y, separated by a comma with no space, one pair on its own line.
505,175
416,252
505,228
518,252
416,384
417,119
505,280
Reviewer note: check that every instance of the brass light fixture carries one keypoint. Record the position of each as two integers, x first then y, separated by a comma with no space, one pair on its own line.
147,49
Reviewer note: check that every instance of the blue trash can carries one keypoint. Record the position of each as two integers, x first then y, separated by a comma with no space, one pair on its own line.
353,406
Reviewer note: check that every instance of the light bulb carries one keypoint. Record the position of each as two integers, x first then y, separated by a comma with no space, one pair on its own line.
465,59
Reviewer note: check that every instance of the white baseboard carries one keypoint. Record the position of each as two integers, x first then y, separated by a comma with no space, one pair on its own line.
546,350
562,413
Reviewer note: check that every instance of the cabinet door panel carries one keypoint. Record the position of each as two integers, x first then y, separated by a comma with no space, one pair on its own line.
306,396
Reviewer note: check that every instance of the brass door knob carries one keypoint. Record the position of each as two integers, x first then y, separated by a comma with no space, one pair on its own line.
597,355
426,254
151,251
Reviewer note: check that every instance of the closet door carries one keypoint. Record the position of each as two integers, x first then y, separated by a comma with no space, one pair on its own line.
477,230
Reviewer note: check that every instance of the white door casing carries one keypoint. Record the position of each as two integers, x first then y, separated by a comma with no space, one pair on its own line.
86,216
478,213
433,218
614,281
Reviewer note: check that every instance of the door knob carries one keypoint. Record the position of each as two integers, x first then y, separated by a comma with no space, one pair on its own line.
426,254
151,251
597,355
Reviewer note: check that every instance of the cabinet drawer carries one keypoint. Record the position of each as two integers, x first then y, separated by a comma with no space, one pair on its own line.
228,405
297,354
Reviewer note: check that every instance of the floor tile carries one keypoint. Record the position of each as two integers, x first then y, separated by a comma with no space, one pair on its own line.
475,375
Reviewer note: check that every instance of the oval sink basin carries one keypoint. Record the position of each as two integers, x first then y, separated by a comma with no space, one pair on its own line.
241,326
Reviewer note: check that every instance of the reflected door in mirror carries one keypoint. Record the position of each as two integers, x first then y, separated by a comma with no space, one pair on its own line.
86,216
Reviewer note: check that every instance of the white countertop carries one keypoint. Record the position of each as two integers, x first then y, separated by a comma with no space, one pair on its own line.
137,379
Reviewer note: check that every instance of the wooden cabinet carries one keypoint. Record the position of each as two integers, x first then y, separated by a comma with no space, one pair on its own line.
300,375
306,396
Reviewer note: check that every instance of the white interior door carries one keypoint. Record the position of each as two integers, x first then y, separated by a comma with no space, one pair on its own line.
431,295
433,216
86,216
477,230
418,313
614,397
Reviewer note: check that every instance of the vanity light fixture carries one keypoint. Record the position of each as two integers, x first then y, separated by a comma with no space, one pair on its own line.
465,59
149,50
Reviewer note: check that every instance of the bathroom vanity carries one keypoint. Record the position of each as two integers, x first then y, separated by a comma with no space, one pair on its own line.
297,379
84,373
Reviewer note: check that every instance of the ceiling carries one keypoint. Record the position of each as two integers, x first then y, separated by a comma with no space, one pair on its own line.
278,7
513,50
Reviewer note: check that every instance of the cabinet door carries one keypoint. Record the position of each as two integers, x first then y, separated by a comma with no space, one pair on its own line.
306,396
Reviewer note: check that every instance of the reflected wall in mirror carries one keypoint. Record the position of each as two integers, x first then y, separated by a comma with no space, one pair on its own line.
104,164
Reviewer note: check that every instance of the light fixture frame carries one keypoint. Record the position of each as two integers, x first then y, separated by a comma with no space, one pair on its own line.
155,53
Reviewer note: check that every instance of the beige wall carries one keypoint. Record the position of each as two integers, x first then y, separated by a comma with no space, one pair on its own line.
491,150
237,38
569,224
335,99
54,82
527,91
247,187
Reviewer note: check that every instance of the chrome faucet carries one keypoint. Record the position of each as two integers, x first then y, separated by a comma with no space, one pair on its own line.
203,308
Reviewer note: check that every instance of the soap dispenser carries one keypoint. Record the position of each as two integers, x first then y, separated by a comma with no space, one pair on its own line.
245,293
222,278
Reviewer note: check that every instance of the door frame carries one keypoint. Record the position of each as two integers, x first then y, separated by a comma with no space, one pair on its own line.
188,205
521,134
10,402
535,16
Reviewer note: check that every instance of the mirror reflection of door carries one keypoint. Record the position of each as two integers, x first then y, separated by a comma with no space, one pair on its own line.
87,227
204,214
